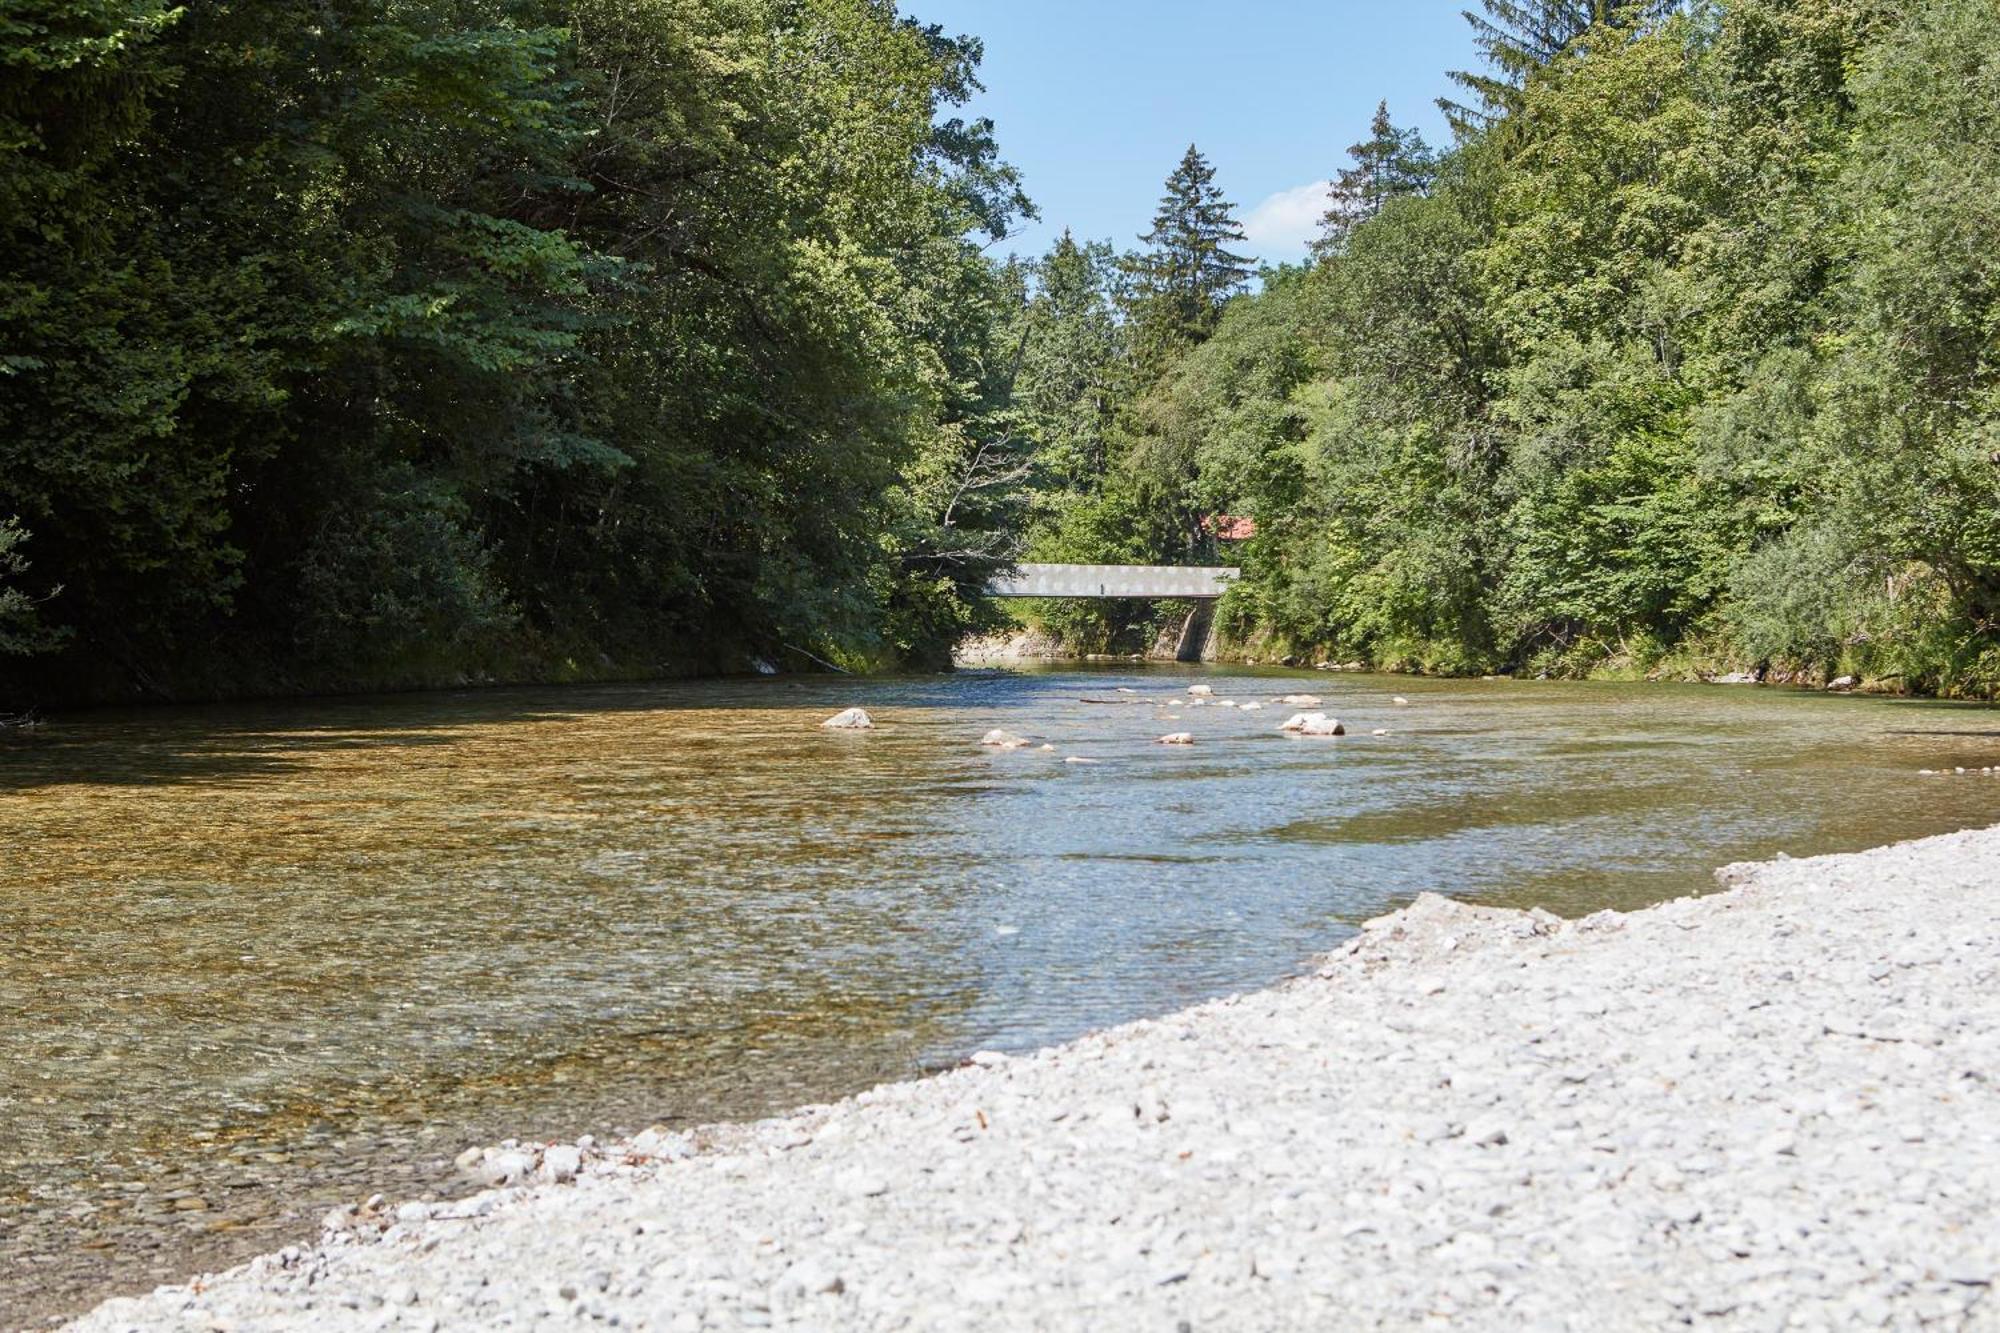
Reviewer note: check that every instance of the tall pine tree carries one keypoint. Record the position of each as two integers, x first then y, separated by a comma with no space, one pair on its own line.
1186,274
1389,164
1519,36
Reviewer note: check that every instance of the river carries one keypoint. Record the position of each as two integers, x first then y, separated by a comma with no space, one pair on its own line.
262,959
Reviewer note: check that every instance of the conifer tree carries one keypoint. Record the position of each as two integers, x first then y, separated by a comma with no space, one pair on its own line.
1186,274
1389,164
1519,36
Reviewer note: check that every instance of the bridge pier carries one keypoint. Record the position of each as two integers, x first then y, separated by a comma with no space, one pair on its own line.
1197,641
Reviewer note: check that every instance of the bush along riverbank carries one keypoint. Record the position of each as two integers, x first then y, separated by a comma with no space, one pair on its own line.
1155,639
1774,1103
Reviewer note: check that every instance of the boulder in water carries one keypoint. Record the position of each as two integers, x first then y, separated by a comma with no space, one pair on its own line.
1301,700
1201,691
851,719
1003,740
1322,726
1177,738
1297,721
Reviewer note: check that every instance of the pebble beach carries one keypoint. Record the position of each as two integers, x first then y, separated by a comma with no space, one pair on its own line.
1776,1106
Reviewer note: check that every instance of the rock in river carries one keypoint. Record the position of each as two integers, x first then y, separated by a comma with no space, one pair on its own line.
852,719
1177,738
1003,740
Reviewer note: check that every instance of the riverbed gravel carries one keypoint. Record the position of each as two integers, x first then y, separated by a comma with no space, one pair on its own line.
1772,1107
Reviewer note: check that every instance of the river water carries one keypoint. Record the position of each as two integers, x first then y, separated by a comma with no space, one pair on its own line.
264,959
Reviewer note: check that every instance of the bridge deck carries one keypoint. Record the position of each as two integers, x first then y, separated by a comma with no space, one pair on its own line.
1195,582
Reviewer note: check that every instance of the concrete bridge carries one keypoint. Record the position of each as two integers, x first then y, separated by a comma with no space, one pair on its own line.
1180,582
1200,584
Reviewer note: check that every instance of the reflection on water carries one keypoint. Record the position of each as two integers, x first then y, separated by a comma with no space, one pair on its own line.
264,959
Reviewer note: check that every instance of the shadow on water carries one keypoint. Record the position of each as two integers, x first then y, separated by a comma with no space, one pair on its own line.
192,743
208,742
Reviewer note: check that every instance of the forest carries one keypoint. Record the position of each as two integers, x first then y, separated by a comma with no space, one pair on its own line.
351,343
381,342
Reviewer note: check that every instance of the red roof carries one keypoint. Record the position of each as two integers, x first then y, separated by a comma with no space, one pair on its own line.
1230,528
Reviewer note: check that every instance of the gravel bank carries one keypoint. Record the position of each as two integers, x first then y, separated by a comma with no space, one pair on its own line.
1773,1107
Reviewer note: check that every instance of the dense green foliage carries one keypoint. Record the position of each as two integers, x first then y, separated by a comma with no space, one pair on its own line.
1519,37
366,341
1689,359
380,341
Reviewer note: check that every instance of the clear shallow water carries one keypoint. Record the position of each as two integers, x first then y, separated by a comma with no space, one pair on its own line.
262,959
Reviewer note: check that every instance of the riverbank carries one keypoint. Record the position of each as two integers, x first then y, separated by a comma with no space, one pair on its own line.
1773,1103
1028,646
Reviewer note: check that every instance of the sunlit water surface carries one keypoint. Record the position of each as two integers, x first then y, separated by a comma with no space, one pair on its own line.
263,959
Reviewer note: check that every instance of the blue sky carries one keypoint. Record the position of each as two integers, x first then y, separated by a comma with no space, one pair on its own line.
1095,100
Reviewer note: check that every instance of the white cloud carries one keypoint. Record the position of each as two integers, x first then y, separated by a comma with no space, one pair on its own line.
1284,224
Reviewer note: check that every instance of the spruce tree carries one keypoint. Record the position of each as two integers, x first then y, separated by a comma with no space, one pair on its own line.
1519,36
1186,274
1389,164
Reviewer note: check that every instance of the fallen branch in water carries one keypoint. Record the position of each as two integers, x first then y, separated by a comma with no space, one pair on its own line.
821,660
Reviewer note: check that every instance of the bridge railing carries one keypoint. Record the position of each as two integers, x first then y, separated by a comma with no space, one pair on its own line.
1192,582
